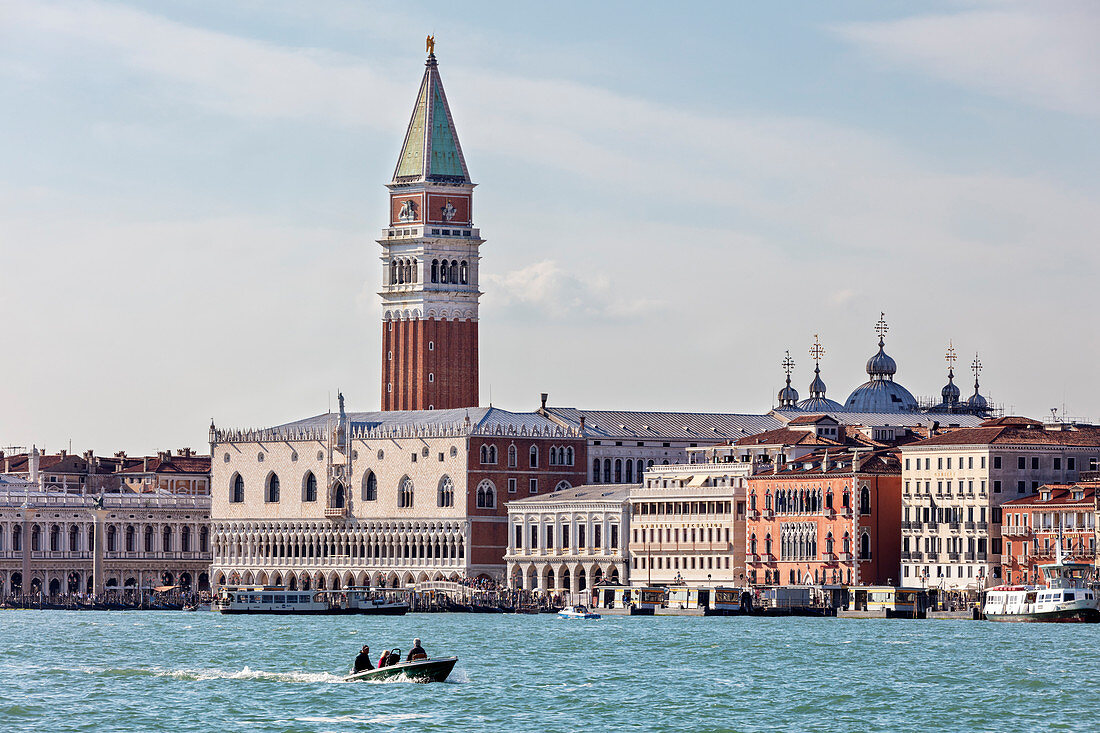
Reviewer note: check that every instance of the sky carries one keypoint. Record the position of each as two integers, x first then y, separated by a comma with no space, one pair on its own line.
190,195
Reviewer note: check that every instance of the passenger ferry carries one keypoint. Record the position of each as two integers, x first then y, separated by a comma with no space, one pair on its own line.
1066,596
277,600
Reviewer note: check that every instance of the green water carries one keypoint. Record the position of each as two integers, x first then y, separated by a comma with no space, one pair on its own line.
179,671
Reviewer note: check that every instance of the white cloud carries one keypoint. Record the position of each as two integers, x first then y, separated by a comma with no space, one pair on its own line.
554,292
1043,54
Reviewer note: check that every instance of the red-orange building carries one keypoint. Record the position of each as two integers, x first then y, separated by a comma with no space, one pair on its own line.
814,520
1032,525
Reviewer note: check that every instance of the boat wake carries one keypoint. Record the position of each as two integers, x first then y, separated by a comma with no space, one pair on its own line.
202,675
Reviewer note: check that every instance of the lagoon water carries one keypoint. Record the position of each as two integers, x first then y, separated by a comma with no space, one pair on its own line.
149,670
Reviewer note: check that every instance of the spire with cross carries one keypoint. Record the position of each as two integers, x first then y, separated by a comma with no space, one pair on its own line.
881,328
817,350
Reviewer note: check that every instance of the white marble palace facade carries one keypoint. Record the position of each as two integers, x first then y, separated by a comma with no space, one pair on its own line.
380,499
570,540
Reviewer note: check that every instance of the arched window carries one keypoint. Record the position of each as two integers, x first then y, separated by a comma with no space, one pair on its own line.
569,459
272,493
166,540
847,543
829,543
237,492
829,500
864,501
309,487
618,470
768,501
752,502
768,544
484,454
74,539
148,539
204,540
464,273
534,456
492,454
845,501
405,493
185,539
55,539
446,492
370,486
413,271
454,271
563,485
443,272
513,457
607,470
486,495
435,271
595,470
393,272
130,539
629,471
112,539
865,546
338,496
752,544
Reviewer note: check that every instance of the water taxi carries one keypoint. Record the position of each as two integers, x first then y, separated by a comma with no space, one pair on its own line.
1066,596
577,612
422,670
278,600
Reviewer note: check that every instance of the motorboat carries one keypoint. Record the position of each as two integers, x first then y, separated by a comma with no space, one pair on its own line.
422,670
1065,597
577,612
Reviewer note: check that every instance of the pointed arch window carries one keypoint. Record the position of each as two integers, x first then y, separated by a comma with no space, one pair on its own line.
768,544
370,486
446,496
486,495
271,495
865,546
405,493
847,543
569,459
236,494
563,485
309,487
513,457
338,496
534,458
864,501
752,544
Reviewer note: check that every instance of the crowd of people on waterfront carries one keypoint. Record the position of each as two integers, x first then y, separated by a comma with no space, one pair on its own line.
110,600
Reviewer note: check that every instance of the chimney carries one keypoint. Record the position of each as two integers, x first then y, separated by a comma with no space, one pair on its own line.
64,452
544,396
32,466
582,423
145,464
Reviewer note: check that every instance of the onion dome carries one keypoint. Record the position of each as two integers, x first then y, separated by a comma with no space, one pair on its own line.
977,404
817,401
881,365
950,392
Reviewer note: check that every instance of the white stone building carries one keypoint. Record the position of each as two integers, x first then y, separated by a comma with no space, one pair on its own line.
953,486
569,541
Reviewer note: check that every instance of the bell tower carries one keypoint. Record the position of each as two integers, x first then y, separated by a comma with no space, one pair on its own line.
430,253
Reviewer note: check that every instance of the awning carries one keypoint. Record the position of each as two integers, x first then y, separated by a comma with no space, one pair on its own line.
697,481
165,588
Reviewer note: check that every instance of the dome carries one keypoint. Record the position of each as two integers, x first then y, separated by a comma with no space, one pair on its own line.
820,404
788,396
977,402
881,364
817,387
950,392
881,395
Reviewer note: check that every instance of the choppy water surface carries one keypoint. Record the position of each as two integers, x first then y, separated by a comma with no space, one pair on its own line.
202,671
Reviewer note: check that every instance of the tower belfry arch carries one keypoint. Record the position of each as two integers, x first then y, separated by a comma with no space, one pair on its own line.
430,264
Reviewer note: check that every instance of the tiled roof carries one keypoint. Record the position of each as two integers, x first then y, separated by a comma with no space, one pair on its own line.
1059,494
481,418
878,462
813,419
707,427
593,492
1013,435
174,464
785,436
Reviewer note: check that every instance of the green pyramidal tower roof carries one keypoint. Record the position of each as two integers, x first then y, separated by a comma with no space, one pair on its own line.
431,151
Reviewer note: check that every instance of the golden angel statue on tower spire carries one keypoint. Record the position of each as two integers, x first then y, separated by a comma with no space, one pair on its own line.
429,45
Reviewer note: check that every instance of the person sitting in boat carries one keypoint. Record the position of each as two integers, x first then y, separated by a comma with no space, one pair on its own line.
384,659
362,662
417,652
